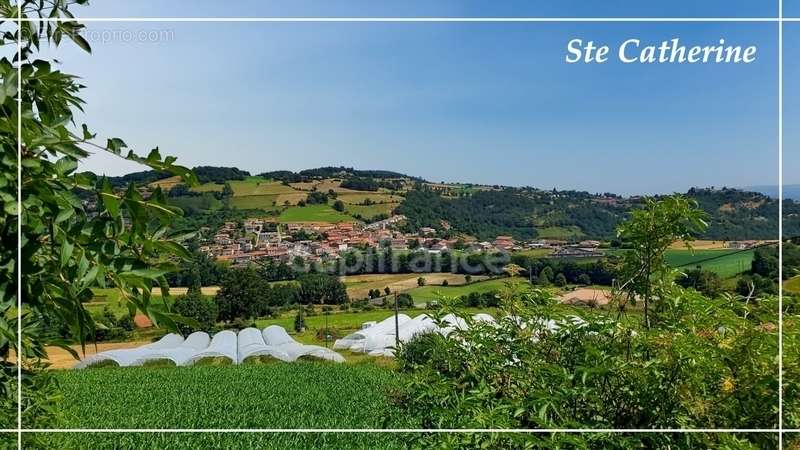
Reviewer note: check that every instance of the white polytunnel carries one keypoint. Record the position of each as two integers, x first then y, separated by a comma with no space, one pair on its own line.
382,345
223,345
180,355
482,317
277,337
251,343
357,341
452,322
126,357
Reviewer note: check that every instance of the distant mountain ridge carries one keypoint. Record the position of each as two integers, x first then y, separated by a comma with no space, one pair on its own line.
790,191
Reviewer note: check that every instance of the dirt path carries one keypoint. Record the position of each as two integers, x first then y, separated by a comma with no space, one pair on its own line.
584,296
61,359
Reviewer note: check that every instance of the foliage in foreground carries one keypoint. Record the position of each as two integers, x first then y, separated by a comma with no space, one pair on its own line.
66,247
708,363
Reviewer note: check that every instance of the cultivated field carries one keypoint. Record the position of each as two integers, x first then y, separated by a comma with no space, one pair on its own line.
433,291
368,212
726,263
313,213
358,286
276,395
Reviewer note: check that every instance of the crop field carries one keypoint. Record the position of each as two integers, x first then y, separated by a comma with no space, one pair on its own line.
358,286
359,197
267,202
248,186
194,441
726,263
368,212
277,395
313,213
432,292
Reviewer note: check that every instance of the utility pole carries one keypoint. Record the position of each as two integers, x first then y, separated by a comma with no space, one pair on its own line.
396,323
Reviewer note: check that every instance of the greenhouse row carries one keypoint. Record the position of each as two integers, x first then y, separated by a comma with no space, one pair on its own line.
380,339
271,342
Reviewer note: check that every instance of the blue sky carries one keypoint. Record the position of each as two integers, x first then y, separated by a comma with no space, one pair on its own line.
486,103
791,103
439,8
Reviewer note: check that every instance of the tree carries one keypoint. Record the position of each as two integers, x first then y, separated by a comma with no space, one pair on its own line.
241,293
405,300
338,205
201,309
468,279
546,276
321,288
387,290
227,190
421,281
126,243
560,280
704,281
584,279
445,283
650,231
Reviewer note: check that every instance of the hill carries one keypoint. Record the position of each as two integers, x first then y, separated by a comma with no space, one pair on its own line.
343,193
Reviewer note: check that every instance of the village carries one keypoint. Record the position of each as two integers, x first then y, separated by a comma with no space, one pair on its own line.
255,239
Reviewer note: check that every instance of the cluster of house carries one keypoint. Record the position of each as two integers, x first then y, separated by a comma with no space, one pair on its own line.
243,243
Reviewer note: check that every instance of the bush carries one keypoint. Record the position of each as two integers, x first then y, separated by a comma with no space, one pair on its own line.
560,280
425,349
704,281
126,322
704,351
445,283
199,308
405,301
584,279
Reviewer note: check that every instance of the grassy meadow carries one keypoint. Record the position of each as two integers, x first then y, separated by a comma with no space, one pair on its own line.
792,285
726,263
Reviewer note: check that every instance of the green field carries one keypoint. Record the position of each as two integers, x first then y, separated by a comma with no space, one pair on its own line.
248,186
726,263
211,440
313,213
428,293
277,395
368,212
792,285
267,202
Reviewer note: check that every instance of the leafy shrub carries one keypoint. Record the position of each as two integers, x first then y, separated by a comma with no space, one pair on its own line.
126,322
405,300
423,349
597,372
704,281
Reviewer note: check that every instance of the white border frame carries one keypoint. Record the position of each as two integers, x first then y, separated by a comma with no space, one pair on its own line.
779,20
